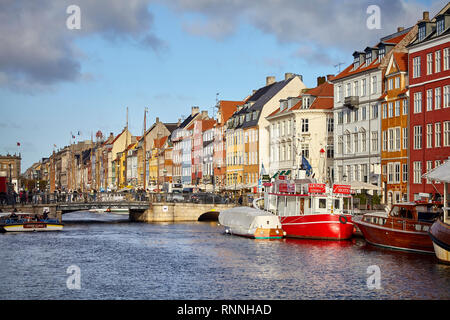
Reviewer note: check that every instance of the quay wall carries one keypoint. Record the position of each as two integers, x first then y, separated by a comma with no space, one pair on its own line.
175,212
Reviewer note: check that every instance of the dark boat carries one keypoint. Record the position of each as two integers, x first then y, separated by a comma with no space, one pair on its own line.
405,227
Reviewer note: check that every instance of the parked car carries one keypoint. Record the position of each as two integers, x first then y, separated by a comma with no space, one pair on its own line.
205,197
188,190
175,197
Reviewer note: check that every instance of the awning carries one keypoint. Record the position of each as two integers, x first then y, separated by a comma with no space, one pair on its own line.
441,173
359,185
275,175
281,173
287,172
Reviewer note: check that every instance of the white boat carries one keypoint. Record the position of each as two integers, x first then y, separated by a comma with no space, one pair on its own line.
251,222
117,210
26,222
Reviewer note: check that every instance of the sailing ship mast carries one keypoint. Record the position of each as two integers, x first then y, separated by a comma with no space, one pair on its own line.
145,148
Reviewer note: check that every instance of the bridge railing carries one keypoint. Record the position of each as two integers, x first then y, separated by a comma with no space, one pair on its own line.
87,197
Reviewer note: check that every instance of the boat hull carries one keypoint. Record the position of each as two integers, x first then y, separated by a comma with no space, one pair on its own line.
378,235
258,233
440,236
318,226
31,227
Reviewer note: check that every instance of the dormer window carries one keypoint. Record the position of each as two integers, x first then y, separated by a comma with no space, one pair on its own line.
368,58
440,26
356,63
381,53
422,33
306,103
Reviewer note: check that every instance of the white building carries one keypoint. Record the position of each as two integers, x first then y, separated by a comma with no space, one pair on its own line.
303,127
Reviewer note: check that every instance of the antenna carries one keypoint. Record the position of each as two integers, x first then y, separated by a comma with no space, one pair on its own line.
338,66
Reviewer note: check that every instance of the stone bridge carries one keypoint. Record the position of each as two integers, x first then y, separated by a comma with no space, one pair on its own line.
140,211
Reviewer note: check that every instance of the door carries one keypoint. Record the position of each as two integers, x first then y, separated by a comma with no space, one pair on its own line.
302,206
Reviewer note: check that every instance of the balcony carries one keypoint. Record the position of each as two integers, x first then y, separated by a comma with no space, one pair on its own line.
351,102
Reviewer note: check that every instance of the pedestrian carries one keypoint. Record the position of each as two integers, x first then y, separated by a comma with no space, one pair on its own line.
240,200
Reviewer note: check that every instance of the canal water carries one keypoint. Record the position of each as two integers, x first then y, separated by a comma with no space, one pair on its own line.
104,256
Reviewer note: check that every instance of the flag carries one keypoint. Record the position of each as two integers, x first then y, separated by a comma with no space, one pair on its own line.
18,144
306,166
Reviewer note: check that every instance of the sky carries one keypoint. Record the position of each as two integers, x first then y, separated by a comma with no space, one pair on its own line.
167,56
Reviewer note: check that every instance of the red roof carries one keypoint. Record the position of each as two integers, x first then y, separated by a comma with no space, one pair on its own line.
322,103
227,108
208,124
401,58
159,142
350,71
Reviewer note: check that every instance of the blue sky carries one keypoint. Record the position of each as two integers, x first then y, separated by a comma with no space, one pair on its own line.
200,50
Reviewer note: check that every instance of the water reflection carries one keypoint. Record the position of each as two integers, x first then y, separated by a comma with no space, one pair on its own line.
126,260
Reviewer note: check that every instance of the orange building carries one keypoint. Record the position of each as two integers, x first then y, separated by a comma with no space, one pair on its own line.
394,129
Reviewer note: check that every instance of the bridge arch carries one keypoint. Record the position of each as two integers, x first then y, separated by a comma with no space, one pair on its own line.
211,215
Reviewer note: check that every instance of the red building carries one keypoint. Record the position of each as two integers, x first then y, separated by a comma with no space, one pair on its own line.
429,116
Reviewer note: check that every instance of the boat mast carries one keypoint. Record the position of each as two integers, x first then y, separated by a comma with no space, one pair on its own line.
145,147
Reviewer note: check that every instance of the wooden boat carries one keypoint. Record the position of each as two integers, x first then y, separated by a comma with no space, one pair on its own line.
311,210
27,222
440,230
251,222
404,227
440,235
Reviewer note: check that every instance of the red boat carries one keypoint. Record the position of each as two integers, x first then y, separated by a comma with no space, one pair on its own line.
311,210
405,227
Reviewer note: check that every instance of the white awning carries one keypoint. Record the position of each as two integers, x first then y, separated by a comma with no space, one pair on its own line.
441,173
359,185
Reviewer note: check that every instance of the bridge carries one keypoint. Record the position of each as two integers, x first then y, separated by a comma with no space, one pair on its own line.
140,210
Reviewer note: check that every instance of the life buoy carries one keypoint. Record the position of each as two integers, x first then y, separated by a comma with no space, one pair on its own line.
343,219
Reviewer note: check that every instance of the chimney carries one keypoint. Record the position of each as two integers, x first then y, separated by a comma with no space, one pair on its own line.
426,16
270,80
253,92
204,114
320,80
288,76
179,121
330,77
400,29
195,110
157,120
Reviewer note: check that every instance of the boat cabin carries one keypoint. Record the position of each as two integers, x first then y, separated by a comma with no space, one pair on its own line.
414,216
304,198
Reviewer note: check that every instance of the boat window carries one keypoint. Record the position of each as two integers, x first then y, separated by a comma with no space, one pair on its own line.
322,203
337,204
427,216
395,211
405,213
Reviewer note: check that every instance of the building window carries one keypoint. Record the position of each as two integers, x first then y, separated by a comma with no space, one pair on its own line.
363,142
446,102
390,172
405,172
446,59
330,125
374,111
437,98
397,172
305,125
385,140
437,61
305,150
429,135
405,138
417,102
390,84
363,113
374,84
430,63
349,90
429,99
381,53
417,137
397,82
437,134
356,115
416,67
429,168
447,134
397,108
384,110
422,32
397,139
340,145
440,26
355,89
374,141
391,139
405,107
391,109
363,87
417,171
348,143
355,142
